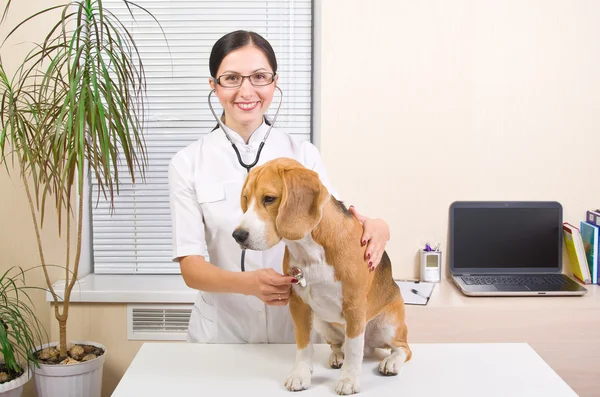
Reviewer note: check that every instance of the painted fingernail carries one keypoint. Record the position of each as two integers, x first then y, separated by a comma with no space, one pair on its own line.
369,255
294,281
364,242
370,264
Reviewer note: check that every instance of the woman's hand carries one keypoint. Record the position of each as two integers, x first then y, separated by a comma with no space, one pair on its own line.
376,234
269,286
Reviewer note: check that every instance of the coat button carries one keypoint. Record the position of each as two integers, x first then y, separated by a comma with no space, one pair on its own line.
247,149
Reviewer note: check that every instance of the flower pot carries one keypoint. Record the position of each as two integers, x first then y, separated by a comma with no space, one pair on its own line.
75,380
14,388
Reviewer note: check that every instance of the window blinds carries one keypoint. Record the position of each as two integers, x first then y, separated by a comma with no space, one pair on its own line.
135,237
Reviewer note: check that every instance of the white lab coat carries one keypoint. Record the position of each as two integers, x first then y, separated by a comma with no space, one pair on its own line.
205,182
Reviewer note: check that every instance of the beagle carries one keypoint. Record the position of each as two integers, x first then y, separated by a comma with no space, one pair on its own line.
350,306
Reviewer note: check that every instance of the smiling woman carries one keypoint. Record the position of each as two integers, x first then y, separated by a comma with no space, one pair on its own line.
205,182
244,80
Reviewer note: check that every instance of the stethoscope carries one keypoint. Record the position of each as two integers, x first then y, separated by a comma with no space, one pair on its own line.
248,167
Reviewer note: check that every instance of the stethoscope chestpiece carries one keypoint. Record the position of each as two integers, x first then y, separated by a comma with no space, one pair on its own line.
298,274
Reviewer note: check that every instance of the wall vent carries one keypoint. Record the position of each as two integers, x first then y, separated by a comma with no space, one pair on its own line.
158,322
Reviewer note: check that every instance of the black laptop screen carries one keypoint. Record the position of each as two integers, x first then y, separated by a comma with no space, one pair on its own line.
506,237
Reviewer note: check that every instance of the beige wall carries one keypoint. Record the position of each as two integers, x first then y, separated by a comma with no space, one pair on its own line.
419,104
427,102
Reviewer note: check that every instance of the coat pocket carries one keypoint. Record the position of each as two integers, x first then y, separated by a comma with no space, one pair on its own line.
210,193
203,322
207,306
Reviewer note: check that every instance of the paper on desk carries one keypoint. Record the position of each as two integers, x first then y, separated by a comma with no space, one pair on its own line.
410,298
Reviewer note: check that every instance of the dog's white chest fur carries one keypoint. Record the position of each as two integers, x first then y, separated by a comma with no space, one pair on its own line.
322,292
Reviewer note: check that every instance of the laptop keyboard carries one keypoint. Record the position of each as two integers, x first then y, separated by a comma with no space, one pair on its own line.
550,279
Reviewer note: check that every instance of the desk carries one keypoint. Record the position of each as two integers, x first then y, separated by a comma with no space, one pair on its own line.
564,331
450,370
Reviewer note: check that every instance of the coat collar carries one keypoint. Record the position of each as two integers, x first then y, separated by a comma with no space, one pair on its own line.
255,138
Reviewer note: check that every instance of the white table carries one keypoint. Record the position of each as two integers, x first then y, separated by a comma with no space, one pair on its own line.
444,369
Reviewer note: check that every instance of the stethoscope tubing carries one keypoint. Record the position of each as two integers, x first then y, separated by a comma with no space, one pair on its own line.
248,167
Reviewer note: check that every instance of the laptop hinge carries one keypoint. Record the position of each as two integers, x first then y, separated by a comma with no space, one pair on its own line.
496,274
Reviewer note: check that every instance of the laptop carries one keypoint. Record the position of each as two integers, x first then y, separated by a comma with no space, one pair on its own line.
508,248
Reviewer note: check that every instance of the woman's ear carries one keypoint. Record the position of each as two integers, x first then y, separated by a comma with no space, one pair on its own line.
213,85
301,205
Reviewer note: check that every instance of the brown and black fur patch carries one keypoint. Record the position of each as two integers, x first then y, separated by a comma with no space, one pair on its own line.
340,205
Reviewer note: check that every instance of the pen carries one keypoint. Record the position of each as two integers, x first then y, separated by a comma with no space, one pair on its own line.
414,291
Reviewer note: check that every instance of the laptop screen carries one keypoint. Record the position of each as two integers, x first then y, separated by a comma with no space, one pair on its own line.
511,236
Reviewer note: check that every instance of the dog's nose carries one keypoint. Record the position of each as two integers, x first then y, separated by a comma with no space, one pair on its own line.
240,235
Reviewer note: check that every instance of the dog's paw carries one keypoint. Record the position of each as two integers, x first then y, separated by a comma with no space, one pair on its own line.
391,365
299,379
336,359
348,385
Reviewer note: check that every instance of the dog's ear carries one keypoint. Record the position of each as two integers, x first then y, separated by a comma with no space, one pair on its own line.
301,202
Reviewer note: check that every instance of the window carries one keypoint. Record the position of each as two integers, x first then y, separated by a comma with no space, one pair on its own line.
136,236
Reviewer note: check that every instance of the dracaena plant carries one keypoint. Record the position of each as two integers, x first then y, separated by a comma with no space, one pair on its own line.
20,329
73,108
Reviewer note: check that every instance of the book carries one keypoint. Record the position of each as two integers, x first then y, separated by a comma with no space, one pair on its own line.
574,244
593,217
589,236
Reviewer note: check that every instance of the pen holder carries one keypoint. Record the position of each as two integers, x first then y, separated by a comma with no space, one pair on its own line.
431,266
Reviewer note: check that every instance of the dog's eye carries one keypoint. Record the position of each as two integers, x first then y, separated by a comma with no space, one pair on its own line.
268,200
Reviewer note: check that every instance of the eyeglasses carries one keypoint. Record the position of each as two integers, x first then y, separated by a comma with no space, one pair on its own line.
236,80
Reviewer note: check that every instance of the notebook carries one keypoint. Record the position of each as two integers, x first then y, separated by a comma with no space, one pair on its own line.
415,292
508,248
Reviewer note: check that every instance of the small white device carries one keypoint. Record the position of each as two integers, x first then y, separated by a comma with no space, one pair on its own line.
431,266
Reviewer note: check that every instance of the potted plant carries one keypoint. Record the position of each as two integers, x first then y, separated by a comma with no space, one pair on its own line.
72,110
20,333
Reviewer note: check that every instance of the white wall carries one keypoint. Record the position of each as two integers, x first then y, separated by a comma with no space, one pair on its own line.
422,103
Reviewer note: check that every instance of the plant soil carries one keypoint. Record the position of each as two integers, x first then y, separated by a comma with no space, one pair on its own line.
75,355
7,375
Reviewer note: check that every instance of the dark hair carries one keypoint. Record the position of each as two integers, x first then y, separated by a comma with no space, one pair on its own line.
236,40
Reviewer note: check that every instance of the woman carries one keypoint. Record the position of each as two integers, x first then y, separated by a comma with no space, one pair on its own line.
205,181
